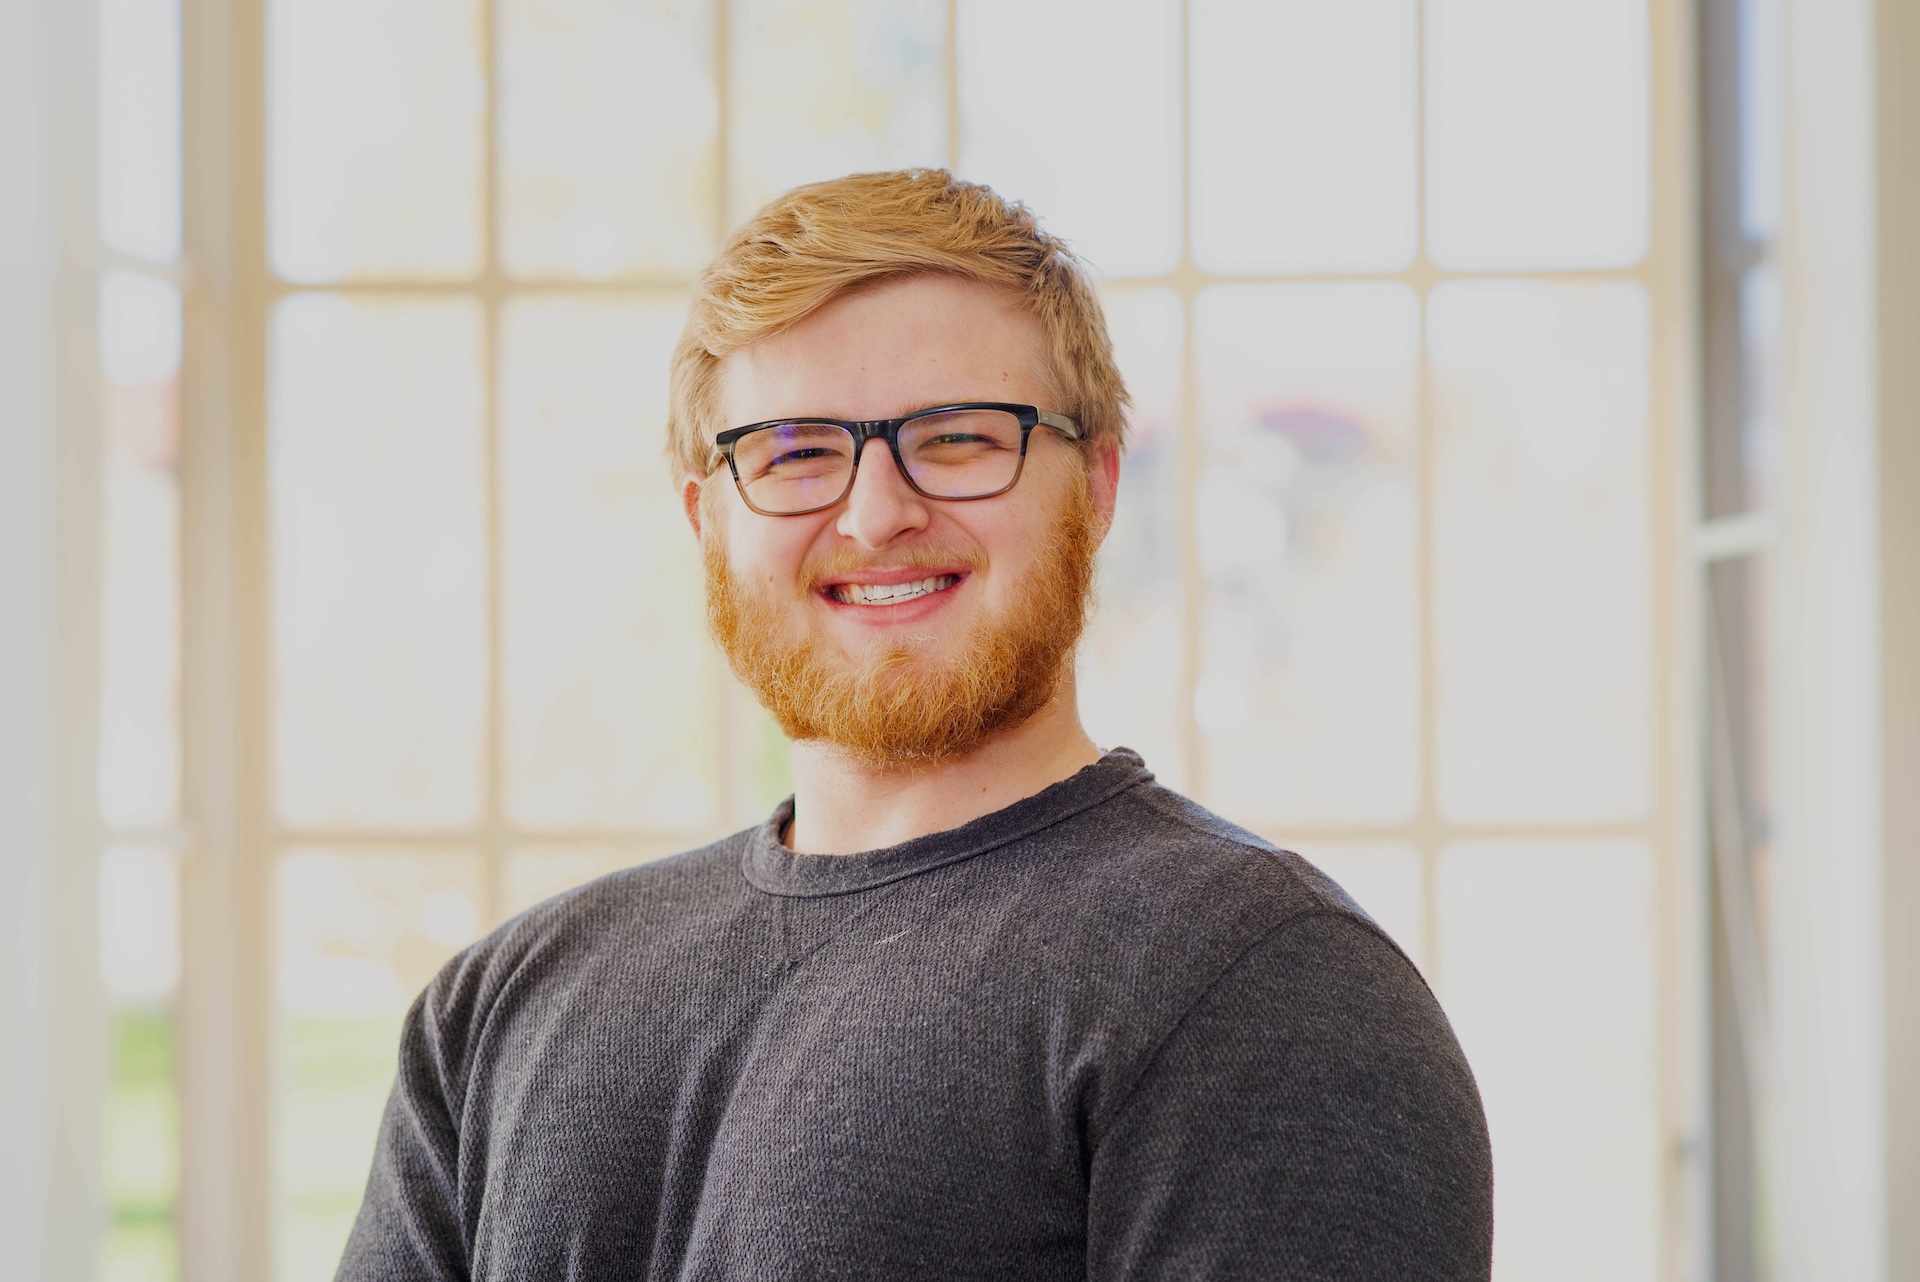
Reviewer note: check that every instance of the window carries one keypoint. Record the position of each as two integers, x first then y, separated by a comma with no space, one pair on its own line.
139,322
1742,47
1390,582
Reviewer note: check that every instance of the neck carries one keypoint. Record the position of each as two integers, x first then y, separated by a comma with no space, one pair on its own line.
841,806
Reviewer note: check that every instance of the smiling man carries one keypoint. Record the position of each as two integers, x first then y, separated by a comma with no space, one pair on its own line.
980,1000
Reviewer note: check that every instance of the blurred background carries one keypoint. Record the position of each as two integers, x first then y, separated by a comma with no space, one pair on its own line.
1520,522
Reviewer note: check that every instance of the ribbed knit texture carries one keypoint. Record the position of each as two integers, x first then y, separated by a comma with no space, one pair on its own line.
1100,1034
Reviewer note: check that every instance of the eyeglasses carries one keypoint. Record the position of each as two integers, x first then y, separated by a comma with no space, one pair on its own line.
792,466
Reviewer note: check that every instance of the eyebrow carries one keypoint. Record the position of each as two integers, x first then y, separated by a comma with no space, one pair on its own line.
916,407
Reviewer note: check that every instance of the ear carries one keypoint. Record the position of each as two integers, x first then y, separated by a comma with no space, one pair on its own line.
1103,482
691,487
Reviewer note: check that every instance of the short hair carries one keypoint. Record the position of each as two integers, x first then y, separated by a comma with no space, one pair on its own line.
820,241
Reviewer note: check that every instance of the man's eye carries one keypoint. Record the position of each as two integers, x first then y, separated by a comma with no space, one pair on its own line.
960,438
811,456
790,455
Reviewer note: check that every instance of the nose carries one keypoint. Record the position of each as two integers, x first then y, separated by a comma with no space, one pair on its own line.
881,506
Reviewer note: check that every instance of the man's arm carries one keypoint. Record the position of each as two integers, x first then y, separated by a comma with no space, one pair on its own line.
1311,1117
409,1228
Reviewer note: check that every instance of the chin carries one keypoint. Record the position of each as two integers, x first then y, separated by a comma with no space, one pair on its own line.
904,651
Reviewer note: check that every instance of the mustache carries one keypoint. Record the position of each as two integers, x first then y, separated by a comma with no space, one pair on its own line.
842,562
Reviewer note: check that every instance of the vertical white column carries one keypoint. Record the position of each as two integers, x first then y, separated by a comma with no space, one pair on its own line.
1829,1209
50,1036
28,675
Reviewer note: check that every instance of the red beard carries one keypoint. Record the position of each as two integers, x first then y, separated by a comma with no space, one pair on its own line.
896,705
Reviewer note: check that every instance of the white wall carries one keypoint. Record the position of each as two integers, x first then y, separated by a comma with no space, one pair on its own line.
1830,960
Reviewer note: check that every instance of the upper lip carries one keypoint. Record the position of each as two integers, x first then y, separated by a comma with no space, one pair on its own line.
879,576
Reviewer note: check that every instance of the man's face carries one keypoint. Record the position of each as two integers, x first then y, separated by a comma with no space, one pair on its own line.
933,674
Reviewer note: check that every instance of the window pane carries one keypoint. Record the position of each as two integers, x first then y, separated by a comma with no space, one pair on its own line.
1541,556
139,925
1545,966
1308,702
140,587
1303,135
611,695
822,88
140,1148
1739,814
759,771
1090,141
1384,877
1537,133
607,120
376,130
140,127
1132,665
1740,730
359,935
139,932
1762,96
1741,431
379,561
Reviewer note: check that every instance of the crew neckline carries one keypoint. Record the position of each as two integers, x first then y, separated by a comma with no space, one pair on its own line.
770,866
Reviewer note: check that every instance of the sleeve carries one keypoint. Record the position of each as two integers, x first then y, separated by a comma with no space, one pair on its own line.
1310,1117
410,1227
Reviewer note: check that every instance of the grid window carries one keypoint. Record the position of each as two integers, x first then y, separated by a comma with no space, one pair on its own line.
1386,583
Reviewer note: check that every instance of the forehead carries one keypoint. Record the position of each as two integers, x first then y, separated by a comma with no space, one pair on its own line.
889,349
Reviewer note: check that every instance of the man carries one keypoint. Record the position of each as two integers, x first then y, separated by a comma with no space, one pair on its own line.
979,1001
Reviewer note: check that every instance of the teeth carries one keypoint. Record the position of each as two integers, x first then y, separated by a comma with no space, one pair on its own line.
890,593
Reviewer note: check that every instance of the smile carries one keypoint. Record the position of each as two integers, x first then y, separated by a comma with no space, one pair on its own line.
890,593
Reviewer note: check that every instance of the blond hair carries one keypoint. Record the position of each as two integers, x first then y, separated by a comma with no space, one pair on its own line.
817,242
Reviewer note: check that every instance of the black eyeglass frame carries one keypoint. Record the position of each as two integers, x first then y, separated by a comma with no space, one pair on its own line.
1030,417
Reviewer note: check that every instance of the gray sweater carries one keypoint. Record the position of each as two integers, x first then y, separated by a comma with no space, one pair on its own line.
1099,1034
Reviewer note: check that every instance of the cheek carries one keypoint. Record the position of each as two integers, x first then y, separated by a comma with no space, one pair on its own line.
768,551
1021,563
1013,546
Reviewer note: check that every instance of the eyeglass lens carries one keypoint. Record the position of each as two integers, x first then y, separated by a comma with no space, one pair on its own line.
796,467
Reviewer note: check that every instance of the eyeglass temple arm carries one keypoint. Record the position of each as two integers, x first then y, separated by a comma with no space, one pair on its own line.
1061,424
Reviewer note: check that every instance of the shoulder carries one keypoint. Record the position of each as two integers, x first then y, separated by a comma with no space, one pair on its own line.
562,940
1319,1071
1148,906
647,894
1172,859
1195,833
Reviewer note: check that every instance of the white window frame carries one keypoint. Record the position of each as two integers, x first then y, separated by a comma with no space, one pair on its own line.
226,999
